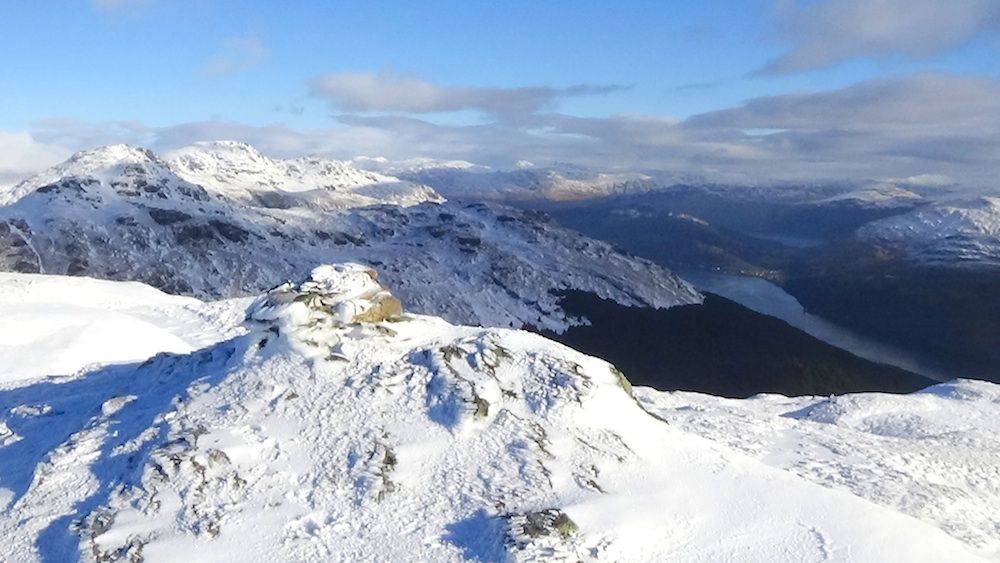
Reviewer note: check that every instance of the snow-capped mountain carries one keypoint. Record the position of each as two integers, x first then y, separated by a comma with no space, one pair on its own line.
526,184
948,232
464,180
339,427
122,213
241,171
129,171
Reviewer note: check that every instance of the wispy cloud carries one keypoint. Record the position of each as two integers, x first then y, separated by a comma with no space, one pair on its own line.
407,93
237,54
826,32
920,126
700,86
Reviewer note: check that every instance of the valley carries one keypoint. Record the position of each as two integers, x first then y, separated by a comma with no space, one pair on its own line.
941,315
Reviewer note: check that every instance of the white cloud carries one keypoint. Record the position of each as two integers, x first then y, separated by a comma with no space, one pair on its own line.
925,128
921,103
387,91
825,32
21,154
238,54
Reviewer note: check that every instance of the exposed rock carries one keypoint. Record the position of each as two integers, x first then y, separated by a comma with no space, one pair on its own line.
167,216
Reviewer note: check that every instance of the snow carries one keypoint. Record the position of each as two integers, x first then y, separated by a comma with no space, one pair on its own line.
384,165
123,213
72,324
523,183
103,163
237,169
881,195
933,455
314,437
565,182
947,232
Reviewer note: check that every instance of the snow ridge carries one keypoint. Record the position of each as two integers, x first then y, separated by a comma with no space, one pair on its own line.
340,427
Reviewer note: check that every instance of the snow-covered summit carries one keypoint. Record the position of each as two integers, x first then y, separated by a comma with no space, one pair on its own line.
238,169
319,436
115,169
113,154
948,232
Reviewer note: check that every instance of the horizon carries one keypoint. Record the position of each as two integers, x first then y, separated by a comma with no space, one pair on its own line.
814,92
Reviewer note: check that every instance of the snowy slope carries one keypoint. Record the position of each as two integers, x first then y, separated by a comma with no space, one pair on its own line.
122,213
70,324
337,429
952,232
239,171
934,455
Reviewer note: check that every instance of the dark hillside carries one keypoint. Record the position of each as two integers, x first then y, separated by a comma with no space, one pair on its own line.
722,348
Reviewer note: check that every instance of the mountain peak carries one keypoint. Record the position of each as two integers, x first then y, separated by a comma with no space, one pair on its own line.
239,170
115,154
226,148
119,170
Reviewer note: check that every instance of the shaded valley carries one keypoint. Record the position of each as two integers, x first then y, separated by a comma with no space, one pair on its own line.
722,348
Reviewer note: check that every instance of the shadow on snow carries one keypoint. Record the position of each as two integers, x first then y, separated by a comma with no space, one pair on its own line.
53,416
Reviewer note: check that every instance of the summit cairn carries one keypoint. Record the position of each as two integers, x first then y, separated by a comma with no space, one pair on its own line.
334,300
349,293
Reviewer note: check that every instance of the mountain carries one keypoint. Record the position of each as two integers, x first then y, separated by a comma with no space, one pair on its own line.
242,172
878,195
123,213
337,426
524,184
537,185
925,281
944,233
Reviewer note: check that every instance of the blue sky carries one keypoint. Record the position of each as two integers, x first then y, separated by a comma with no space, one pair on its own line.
162,72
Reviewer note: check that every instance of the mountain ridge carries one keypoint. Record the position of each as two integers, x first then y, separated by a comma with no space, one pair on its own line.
431,441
